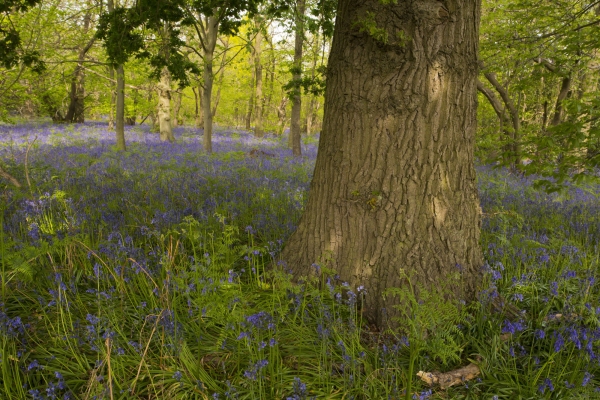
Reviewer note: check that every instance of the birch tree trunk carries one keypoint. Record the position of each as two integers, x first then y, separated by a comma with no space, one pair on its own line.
394,191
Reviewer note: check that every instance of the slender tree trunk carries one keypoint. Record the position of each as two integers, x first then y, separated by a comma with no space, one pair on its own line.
176,108
130,119
394,191
250,109
258,126
119,96
511,123
565,88
312,98
210,43
164,106
120,117
220,80
199,109
281,115
294,138
504,120
270,75
113,98
76,110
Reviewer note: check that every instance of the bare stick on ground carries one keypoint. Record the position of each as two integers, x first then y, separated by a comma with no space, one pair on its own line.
9,177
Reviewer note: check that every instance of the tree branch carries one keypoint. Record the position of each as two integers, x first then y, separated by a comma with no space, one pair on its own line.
491,77
9,177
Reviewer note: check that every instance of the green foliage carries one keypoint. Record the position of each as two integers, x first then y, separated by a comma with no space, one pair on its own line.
368,25
122,32
538,49
12,51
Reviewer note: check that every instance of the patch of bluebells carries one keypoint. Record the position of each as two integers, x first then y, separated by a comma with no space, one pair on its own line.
546,385
512,327
253,372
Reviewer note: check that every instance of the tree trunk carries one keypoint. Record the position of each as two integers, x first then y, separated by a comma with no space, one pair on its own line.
394,188
120,117
119,96
221,73
76,110
294,138
132,116
176,108
113,98
210,42
164,106
565,88
281,115
511,124
250,108
258,126
199,109
270,74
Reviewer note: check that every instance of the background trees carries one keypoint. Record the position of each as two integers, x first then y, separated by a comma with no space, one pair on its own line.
538,82
539,66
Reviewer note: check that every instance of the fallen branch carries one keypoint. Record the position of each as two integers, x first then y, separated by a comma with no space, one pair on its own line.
9,177
447,379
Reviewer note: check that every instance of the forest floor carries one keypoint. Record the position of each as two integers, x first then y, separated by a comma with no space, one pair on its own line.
147,275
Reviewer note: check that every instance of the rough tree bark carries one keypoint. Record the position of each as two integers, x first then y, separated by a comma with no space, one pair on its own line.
295,128
394,182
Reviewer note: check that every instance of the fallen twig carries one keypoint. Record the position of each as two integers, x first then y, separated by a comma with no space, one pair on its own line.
9,177
451,378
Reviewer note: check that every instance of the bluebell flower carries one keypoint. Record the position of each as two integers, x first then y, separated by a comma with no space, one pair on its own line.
512,327
587,377
540,333
177,376
34,365
547,384
559,342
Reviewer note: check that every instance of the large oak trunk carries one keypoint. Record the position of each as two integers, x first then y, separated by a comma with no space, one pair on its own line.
394,183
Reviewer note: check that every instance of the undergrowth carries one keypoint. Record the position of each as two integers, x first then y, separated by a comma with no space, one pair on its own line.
153,274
